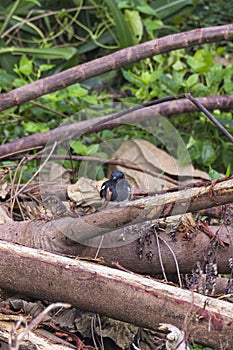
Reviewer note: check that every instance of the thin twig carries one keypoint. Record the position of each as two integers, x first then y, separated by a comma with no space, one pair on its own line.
21,151
209,115
100,330
119,162
160,256
99,247
38,104
176,262
37,172
93,320
12,199
33,324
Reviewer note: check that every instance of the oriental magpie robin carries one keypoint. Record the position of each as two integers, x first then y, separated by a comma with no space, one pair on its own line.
116,189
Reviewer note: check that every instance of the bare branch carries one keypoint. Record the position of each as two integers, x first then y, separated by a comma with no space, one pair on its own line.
210,116
14,342
114,61
106,122
150,208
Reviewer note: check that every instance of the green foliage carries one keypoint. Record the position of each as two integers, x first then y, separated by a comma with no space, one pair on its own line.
178,73
209,13
81,149
136,25
34,127
199,347
89,169
163,9
50,110
125,35
66,33
39,38
202,73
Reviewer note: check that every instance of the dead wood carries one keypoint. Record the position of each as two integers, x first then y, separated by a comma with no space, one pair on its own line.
116,294
114,61
101,123
19,333
122,247
62,235
142,210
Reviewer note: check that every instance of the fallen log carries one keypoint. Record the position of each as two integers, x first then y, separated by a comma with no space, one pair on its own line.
116,294
123,245
150,208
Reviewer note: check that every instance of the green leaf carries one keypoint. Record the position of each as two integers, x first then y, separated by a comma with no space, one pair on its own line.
214,174
107,134
122,27
192,80
45,67
7,61
25,65
228,78
201,89
152,26
79,148
32,127
178,65
194,147
201,62
156,74
146,9
228,171
132,78
79,91
90,99
93,149
6,79
227,154
208,153
171,8
135,22
169,82
191,142
44,53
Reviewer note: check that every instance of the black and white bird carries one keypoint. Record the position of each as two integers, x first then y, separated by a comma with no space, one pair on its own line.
116,189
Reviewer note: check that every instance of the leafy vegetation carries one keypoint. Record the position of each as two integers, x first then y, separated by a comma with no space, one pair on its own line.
39,39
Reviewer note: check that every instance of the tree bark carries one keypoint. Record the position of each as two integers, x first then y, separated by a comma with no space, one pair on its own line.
114,61
62,235
102,123
150,208
122,246
116,294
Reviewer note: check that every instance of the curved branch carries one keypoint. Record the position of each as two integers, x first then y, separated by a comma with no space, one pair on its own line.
107,122
114,61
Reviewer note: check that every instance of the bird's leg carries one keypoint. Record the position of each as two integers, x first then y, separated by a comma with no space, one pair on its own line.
107,199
